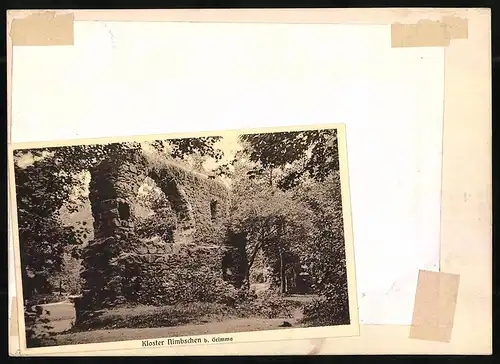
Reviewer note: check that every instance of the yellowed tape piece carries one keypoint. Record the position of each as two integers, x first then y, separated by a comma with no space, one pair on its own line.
429,33
14,329
434,309
45,28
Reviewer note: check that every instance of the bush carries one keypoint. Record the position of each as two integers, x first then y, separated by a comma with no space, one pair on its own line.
331,309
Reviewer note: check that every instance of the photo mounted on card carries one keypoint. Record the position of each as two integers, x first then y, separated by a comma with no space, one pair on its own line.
186,239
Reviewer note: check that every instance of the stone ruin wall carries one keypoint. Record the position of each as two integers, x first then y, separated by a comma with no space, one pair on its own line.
116,256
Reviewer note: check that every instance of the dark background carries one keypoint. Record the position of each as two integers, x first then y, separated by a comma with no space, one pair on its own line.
178,4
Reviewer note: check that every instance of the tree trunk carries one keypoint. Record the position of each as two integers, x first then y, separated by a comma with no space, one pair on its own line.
246,280
282,272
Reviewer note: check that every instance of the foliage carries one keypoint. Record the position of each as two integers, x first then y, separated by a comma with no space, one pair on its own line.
42,242
182,147
37,327
311,153
326,256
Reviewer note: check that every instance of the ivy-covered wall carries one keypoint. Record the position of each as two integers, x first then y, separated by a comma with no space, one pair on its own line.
118,266
203,203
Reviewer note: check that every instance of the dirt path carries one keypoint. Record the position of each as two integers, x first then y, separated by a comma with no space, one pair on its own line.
233,325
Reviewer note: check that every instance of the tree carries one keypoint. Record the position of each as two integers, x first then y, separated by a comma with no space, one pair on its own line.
41,254
327,255
327,258
68,280
306,164
305,221
310,153
274,223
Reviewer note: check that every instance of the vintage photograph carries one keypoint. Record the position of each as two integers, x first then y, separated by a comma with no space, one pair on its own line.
171,237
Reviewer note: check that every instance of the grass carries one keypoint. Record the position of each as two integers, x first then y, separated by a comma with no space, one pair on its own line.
141,316
227,326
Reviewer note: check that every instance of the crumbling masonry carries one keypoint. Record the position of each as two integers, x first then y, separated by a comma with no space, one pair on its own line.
116,256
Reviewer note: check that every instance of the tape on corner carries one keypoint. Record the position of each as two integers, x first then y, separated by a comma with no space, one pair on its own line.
434,309
46,28
429,33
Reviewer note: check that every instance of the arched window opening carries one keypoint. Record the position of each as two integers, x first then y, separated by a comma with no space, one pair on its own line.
124,210
213,209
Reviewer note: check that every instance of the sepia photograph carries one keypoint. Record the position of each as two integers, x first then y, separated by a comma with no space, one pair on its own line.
163,239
